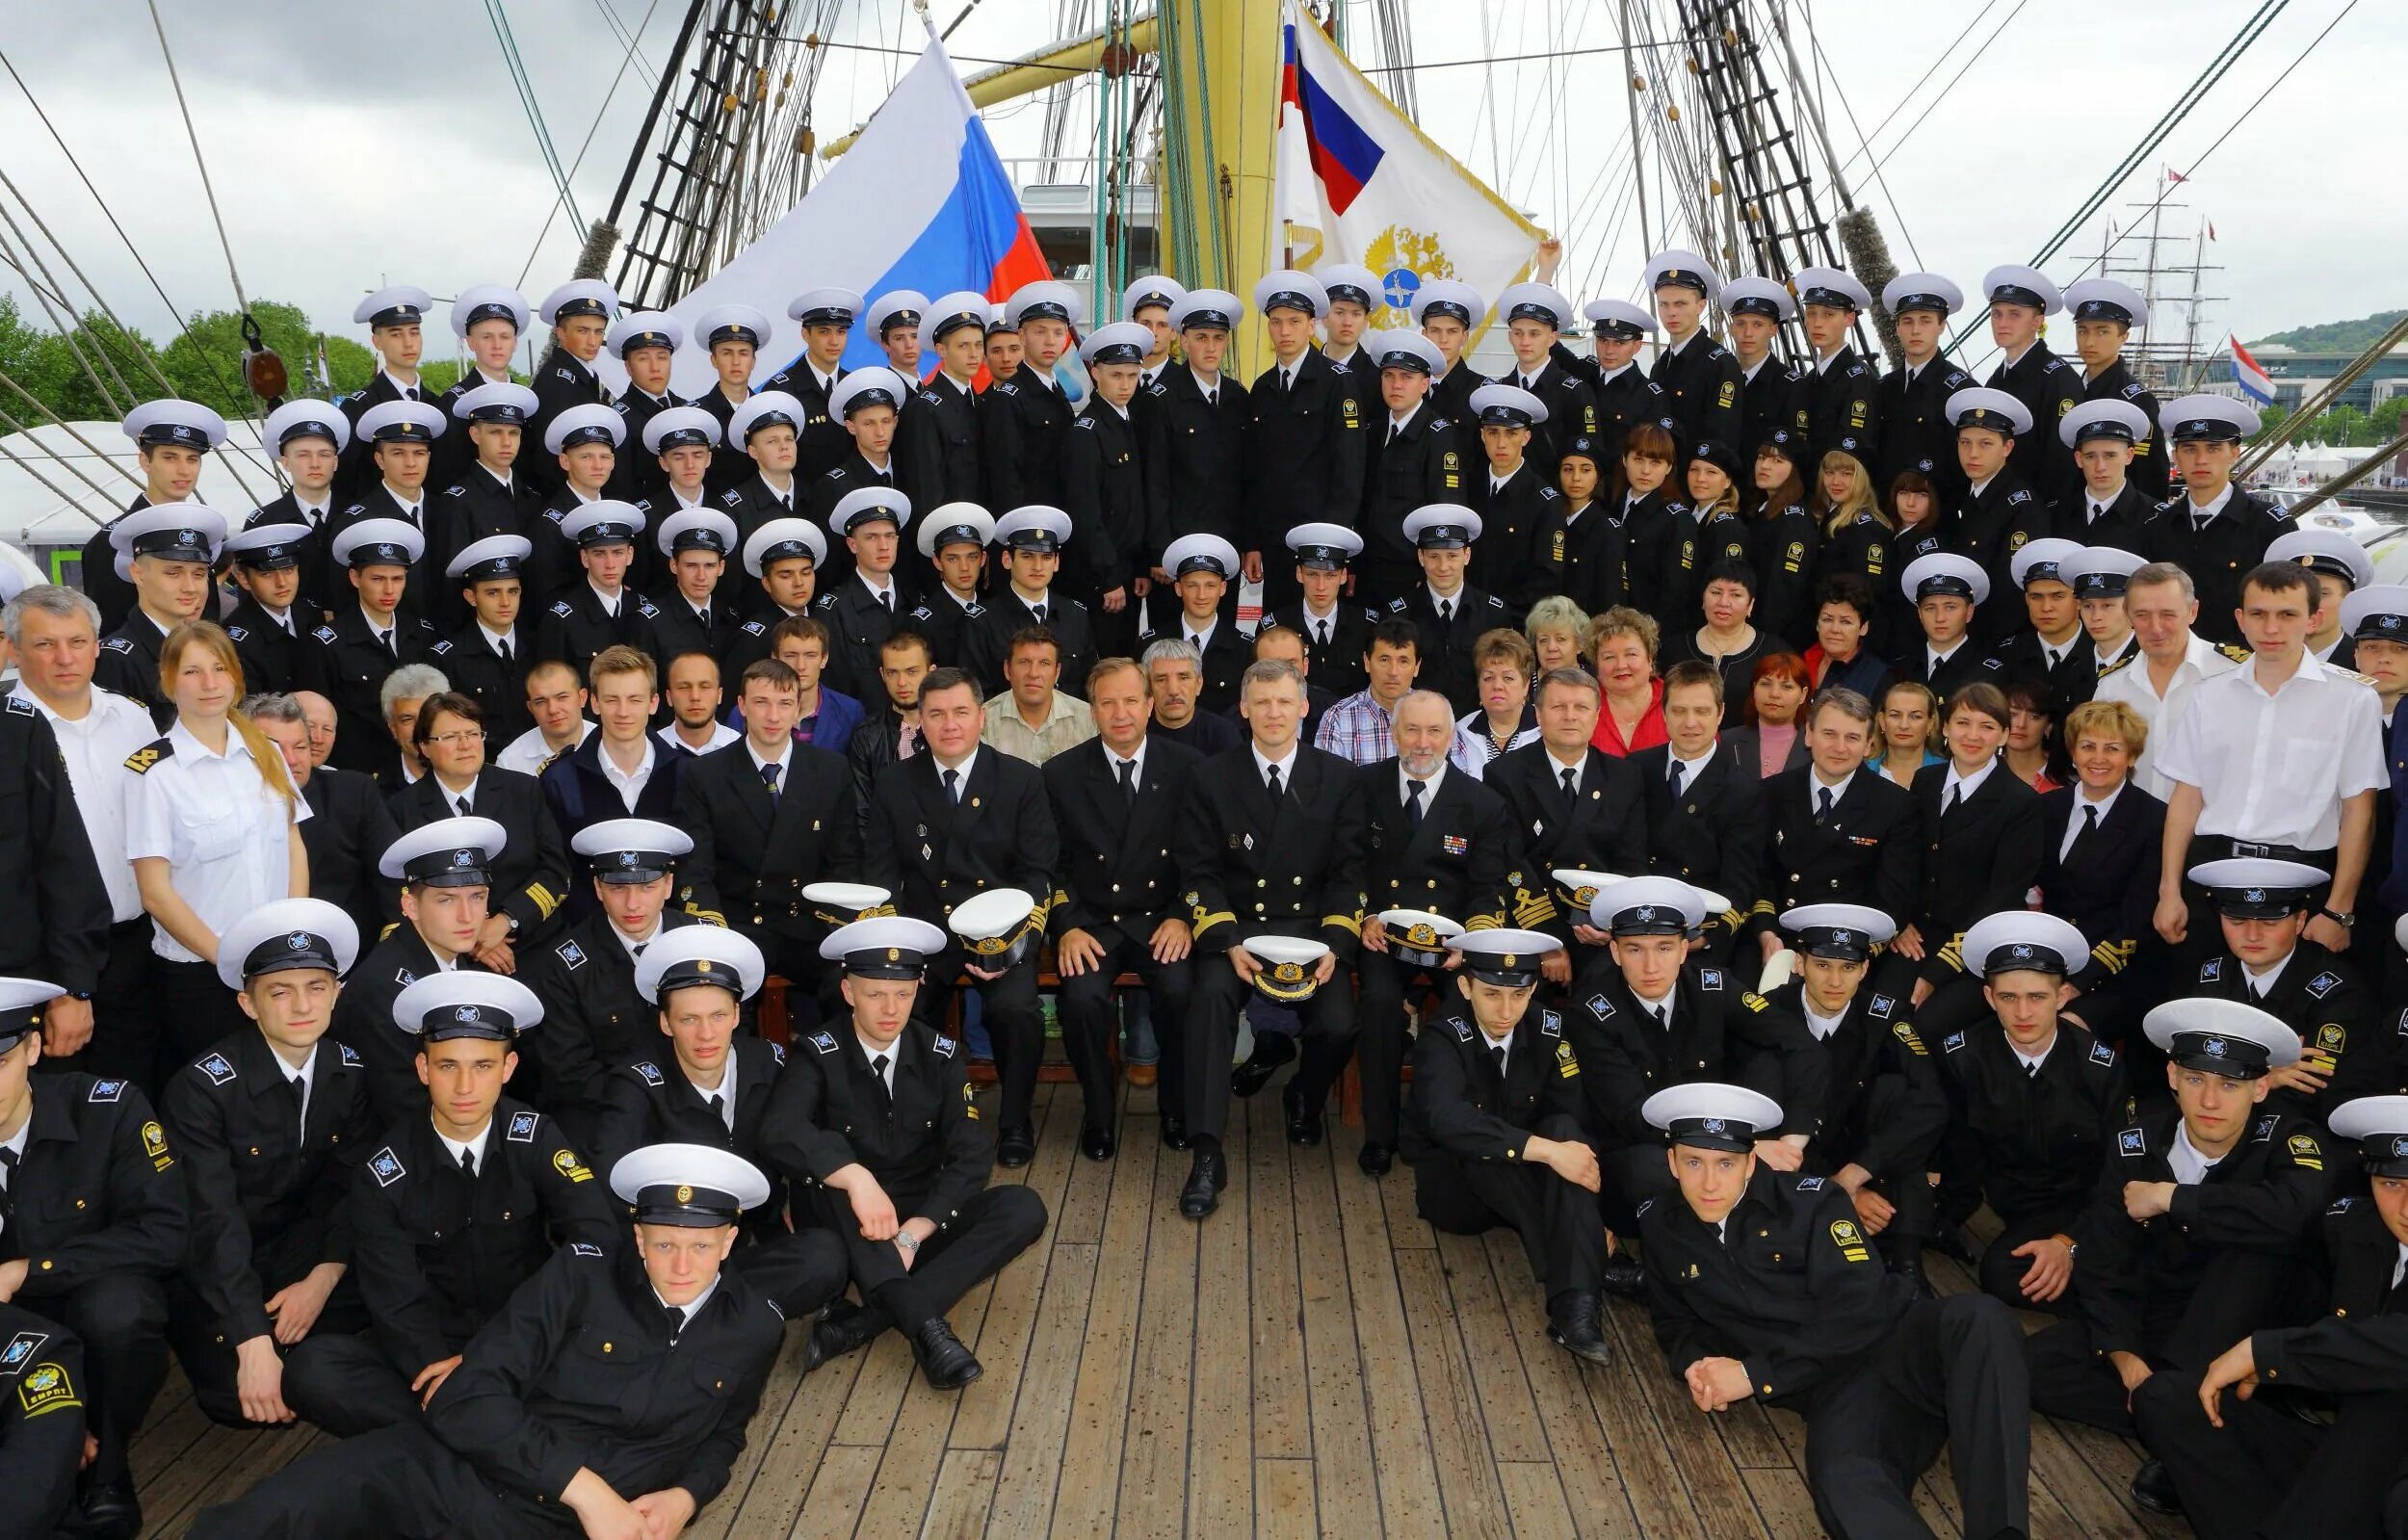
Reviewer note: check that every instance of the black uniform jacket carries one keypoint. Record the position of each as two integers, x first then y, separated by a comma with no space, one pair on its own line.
821,441
1116,876
439,1252
985,640
1304,446
1916,433
2024,660
1446,644
2263,1196
1629,397
1580,553
270,655
938,443
2148,467
1660,562
2119,526
1200,447
1842,408
63,913
753,857
2218,557
1337,664
1876,1046
128,662
270,1200
1721,1031
1118,500
1797,1294
321,585
1714,836
932,854
1571,404
97,1192
650,1101
347,830
2333,1006
1865,852
1505,557
1021,424
531,872
344,662
2361,1346
363,1022
1701,384
42,1419
581,1370
858,624
2048,387
1295,867
1458,1108
574,626
2107,885
1978,859
1602,829
924,1143
593,1017
498,687
1423,463
2038,1138
1457,862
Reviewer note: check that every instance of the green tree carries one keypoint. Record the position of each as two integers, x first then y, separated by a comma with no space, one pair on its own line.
67,373
2270,421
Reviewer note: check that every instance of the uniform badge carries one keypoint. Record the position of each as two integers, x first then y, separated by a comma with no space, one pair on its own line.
1566,1066
405,978
386,1167
650,1073
45,1389
1710,978
1600,1006
107,1091
2305,1150
571,953
777,1051
155,1146
1904,1032
1851,1240
2264,1130
2102,1053
351,1056
824,1042
566,1163
21,1349
2211,970
2132,1141
1810,1184
1953,1042
1463,1032
522,1128
584,1248
2323,983
944,1046
217,1069
969,1102
1550,1024
1881,1006
2332,1037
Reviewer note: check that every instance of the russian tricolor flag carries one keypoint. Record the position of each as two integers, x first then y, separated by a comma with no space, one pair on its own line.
1344,156
2254,381
919,201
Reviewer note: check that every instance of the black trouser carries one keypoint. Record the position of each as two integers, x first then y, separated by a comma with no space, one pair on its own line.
397,1483
1904,1180
1950,1377
125,1043
1380,1018
2003,1271
194,1009
2266,1472
207,1353
2071,1377
1015,1026
1635,1176
1091,1022
1557,1221
122,1319
975,1244
800,1271
1212,1032
348,1385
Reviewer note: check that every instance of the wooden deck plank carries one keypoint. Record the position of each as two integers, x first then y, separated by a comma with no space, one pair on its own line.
1153,1461
1283,1424
1784,1504
1089,1492
1033,1464
1505,1398
1719,1500
1221,1436
1450,1400
1583,1461
1400,1454
777,1396
831,1510
1345,1484
1283,1500
790,1459
986,1407
965,1489
1534,1495
900,1497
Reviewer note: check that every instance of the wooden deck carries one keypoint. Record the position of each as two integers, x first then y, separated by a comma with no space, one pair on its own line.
1313,1359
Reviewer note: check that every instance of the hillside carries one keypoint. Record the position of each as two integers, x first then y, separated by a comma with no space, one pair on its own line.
2337,336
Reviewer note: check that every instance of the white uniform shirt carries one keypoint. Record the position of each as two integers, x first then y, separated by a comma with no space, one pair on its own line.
527,755
2129,684
224,834
96,750
2275,768
630,784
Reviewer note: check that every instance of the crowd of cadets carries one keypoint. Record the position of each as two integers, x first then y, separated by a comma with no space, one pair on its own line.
902,681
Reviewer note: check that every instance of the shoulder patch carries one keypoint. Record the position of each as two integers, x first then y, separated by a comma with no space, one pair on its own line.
571,953
325,634
1810,1184
215,1067
238,632
149,754
386,1167
118,645
44,1388
973,610
584,1248
441,648
1951,1043
733,497
646,608
1463,1032
2305,1150
2211,970
106,1090
1085,423
351,1056
559,607
405,978
1881,1005
824,1042
2132,1141
1396,606
1600,1006
2324,983
522,1128
19,706
1550,1024
944,1046
2102,1053
754,628
777,1051
21,1350
2265,1129
1710,978
650,1073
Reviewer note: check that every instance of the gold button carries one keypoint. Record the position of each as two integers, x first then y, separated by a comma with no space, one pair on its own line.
45,1265
606,1347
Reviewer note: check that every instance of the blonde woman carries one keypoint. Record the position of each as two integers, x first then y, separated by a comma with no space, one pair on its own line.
1631,715
1558,630
1855,530
1506,719
1908,733
210,815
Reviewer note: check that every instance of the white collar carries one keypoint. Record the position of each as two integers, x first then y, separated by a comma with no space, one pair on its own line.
969,762
1815,786
407,504
2206,509
1429,785
468,791
876,592
2261,984
1397,423
1934,657
1436,598
377,628
1824,360
1041,598
1977,488
181,737
475,1146
508,639
1672,350
1202,633
2054,652
2016,356
1651,1007
694,1306
1607,376
2032,1062
1210,387
2106,805
2094,500
725,1089
1121,411
1967,785
1112,760
1492,1044
1820,1024
1262,766
2190,1166
785,752
609,766
403,386
1697,763
631,943
610,601
870,1051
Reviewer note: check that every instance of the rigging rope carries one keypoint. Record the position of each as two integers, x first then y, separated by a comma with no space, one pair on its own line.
517,68
561,197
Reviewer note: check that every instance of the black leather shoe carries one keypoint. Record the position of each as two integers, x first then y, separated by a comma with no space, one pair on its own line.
1205,1179
1098,1144
1910,1266
1271,1050
948,1365
1624,1277
1573,1325
845,1328
1015,1146
2153,1488
1304,1123
1376,1159
110,1512
1174,1133
1950,1243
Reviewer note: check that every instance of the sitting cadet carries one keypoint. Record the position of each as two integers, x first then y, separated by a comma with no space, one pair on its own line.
2263,907
446,872
536,1432
270,1124
2032,1100
43,1429
1492,1129
2243,1468
1761,1285
1874,1132
2196,1232
1650,1020
447,1220
877,1114
101,1227
715,1086
595,1019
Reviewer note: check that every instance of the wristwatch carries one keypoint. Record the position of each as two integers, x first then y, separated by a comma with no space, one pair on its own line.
906,1240
2347,922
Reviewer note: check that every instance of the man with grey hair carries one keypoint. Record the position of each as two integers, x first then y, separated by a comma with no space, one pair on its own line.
2162,605
397,699
1439,843
1175,671
348,823
318,712
1271,846
55,632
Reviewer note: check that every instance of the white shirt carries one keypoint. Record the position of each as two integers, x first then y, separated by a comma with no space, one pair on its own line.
961,772
15,1144
383,631
2190,1167
2275,768
224,834
629,784
414,509
2054,651
2073,820
1649,1008
1446,604
725,1089
610,602
528,753
1965,785
1506,1043
1821,1026
1398,425
475,1146
1202,637
2129,684
872,1051
1556,768
1263,766
2031,1062
1977,488
1607,376
2261,984
96,749
496,640
2094,506
691,1307
300,1073
2400,1265
1815,790
452,798
1112,763
635,944
785,753
1934,659
2210,508
1210,387
1690,768
1429,785
722,735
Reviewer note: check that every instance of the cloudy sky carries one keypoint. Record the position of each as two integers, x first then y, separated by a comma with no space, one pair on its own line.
356,144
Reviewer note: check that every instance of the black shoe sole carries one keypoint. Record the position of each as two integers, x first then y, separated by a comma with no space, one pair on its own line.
2171,1508
1598,1353
1015,1155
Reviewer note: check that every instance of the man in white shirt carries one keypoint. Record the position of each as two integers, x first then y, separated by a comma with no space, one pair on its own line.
694,696
557,701
2282,759
2161,605
54,633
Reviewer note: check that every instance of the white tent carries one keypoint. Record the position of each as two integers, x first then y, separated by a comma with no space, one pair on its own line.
92,480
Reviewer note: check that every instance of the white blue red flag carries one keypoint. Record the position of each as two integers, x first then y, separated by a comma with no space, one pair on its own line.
2254,381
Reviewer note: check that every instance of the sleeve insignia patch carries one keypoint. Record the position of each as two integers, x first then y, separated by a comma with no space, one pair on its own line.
824,1042
1881,1006
45,1389
386,1167
522,1128
351,1056
584,1248
2132,1141
2324,983
566,1163
650,1073
216,1068
2102,1053
106,1090
944,1046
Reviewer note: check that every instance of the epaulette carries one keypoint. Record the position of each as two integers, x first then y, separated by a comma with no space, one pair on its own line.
1715,349
1956,378
2211,970
753,627
559,607
1810,1184
1754,1001
1880,1006
1951,1043
351,1056
557,515
643,607
2234,652
1600,1006
238,632
836,473
823,1042
108,1090
567,374
943,1046
20,706
441,648
621,407
644,505
1710,978
1550,1024
973,611
826,601
149,754
1992,663
2132,392
217,1067
2351,674
1463,1032
1653,388
386,1167
1856,369
932,398
1865,516
2119,665
2055,362
2278,513
117,645
2324,983
2132,1141
1154,389
1087,423
1548,494
1437,423
1396,607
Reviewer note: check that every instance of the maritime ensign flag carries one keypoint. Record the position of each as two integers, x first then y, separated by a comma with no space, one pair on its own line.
2254,381
919,201
1357,182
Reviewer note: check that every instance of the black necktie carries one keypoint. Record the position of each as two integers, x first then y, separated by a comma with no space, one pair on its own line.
468,1164
717,1104
878,1071
887,600
769,781
1957,794
675,1316
301,1103
953,787
461,803
384,640
1320,633
2031,1072
1413,790
1496,1051
1129,781
1663,1016
2089,822
1212,398
1823,812
1038,611
506,650
1678,771
1571,783
1446,611
1275,783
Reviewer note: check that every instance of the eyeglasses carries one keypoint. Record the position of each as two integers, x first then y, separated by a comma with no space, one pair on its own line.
460,739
